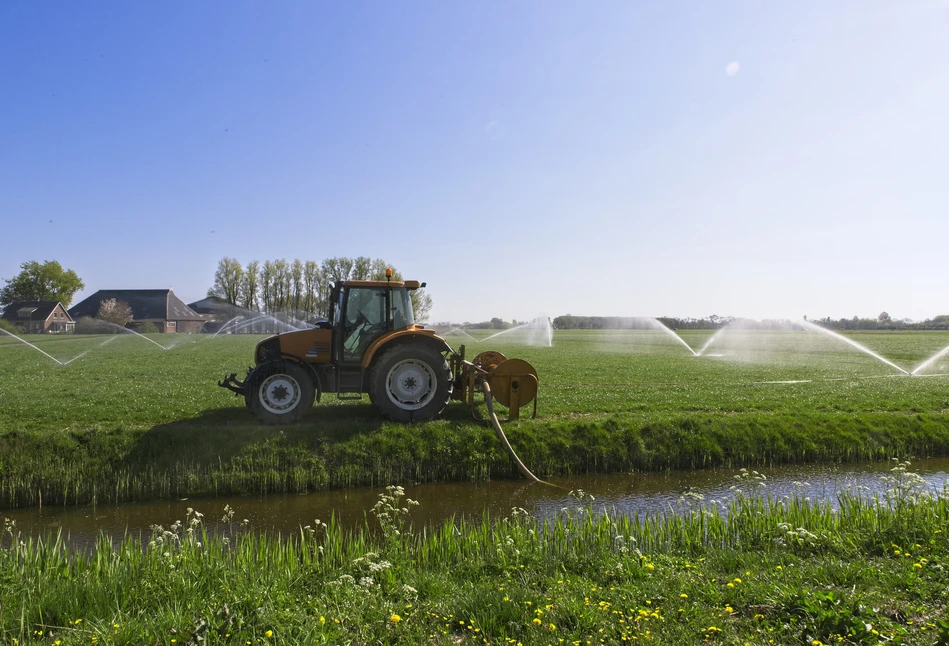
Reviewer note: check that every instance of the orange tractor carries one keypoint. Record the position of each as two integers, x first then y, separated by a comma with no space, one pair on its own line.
371,344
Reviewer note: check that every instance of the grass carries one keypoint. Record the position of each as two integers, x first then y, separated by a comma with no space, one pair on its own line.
751,571
129,420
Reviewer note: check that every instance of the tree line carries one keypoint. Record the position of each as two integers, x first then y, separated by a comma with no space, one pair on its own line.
882,322
299,288
571,322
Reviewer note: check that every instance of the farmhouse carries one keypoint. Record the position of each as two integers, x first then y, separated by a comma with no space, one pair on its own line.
160,307
39,317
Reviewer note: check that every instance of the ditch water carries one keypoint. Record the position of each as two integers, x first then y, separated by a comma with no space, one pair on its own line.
641,493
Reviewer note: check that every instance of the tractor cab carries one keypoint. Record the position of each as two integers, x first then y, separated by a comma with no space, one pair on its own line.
362,311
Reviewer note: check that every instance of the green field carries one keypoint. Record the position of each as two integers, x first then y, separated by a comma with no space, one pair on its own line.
129,420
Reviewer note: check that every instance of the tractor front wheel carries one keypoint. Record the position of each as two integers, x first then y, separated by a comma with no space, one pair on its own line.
410,383
279,392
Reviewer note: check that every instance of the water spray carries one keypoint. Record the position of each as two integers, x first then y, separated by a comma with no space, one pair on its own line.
539,330
123,330
930,361
664,328
817,328
21,340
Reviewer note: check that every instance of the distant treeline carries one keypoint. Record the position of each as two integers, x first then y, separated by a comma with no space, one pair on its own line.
940,322
570,322
713,322
299,287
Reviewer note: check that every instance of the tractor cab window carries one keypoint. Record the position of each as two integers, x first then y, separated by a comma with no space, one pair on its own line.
364,320
402,315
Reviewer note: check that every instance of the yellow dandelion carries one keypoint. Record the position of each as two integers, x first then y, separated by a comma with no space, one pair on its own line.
395,619
729,585
536,621
683,596
650,566
268,634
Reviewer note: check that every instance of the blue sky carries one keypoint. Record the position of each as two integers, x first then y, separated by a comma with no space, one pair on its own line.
523,158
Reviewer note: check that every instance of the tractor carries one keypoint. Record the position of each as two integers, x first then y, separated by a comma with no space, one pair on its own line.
371,344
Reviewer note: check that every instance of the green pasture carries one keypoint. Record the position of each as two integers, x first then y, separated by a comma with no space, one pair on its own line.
129,420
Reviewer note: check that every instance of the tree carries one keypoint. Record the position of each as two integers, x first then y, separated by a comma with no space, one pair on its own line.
115,312
312,293
46,281
227,280
421,305
884,316
296,276
267,290
250,285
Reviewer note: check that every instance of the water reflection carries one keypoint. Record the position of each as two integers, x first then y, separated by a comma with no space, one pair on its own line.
624,493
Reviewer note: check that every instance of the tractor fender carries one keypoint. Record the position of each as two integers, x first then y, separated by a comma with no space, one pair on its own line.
387,340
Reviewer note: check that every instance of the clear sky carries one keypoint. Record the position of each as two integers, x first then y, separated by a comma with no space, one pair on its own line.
753,159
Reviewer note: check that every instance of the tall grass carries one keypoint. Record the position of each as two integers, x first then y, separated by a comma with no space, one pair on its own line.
106,468
752,569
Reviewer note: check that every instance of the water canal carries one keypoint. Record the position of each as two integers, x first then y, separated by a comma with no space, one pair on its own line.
642,493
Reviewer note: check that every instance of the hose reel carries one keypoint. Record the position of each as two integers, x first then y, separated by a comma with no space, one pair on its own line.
513,382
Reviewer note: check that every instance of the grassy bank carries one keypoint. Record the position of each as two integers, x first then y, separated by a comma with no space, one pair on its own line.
751,571
128,420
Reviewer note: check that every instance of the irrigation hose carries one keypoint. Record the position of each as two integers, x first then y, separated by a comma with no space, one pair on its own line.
489,401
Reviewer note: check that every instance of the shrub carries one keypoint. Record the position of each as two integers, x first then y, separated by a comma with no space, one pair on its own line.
147,328
89,325
116,312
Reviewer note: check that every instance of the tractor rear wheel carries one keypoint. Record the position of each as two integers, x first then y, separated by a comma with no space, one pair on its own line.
279,392
410,382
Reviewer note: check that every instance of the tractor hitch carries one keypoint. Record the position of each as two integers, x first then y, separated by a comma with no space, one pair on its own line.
232,383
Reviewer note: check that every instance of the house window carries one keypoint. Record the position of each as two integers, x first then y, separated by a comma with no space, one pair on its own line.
172,325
